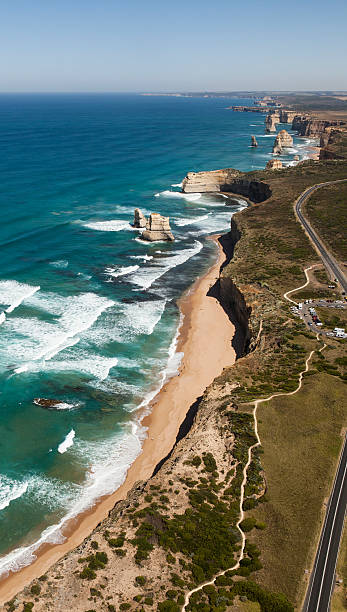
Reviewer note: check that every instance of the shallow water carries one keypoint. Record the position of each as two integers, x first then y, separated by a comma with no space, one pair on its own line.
88,312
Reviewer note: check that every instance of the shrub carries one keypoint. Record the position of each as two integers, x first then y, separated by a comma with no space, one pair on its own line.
94,545
248,524
35,589
141,580
87,574
116,542
125,606
148,601
28,606
196,461
210,462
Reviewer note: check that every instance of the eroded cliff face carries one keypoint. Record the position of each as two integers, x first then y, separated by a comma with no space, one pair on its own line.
228,180
210,181
332,144
287,116
274,164
307,126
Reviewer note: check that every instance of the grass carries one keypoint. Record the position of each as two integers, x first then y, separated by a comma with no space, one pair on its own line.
301,439
326,210
339,598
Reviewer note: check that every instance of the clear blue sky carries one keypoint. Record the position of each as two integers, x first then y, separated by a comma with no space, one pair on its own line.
152,45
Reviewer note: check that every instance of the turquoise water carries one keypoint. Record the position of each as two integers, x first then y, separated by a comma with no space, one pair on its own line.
88,313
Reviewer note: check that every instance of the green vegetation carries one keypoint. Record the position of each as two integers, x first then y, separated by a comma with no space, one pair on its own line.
35,589
95,562
326,210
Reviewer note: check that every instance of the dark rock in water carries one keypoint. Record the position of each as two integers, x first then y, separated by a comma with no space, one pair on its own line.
234,201
50,404
254,142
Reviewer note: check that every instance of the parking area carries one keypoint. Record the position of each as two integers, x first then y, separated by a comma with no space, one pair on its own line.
306,310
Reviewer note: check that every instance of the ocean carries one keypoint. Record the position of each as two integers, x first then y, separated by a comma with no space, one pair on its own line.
88,312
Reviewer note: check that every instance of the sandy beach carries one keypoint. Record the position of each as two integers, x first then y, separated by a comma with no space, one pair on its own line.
205,339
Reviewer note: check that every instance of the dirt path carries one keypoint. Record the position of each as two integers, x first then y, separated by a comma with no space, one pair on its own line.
255,404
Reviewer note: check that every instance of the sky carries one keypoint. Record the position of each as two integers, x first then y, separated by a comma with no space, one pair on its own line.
176,45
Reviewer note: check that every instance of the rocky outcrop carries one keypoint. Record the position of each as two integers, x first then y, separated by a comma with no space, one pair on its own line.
296,158
271,121
305,125
254,141
274,164
283,140
227,180
157,228
287,116
299,122
215,180
139,219
332,144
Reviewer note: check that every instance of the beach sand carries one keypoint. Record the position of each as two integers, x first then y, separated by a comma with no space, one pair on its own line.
206,339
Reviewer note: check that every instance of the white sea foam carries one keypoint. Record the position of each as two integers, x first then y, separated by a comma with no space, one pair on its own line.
10,490
32,340
60,264
142,257
114,225
12,293
177,194
183,222
67,442
96,366
121,271
177,184
110,461
2,317
147,275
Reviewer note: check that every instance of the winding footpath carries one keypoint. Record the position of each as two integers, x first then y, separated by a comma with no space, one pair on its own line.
321,583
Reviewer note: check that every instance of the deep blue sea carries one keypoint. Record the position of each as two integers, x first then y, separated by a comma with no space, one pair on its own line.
88,314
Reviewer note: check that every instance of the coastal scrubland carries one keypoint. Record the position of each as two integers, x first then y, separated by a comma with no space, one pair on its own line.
180,528
327,214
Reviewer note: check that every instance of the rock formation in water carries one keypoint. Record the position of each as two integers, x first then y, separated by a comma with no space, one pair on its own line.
274,164
271,121
215,180
287,116
296,158
157,228
139,219
283,140
254,142
227,180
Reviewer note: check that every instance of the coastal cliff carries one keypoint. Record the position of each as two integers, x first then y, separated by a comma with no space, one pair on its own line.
178,528
227,180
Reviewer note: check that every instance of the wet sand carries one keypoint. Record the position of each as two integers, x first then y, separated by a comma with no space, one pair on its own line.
205,339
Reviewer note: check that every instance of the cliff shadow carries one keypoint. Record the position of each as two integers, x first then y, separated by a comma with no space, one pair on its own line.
241,336
182,432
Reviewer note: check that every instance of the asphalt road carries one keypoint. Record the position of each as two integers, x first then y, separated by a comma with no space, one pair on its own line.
322,579
328,260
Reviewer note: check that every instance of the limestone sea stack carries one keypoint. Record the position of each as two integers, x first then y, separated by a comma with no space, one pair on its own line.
139,219
271,121
157,228
283,140
254,142
274,164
